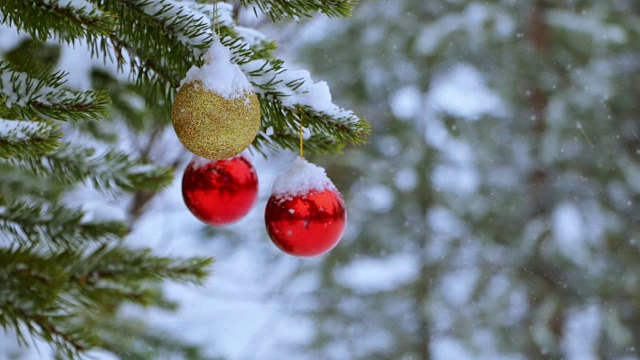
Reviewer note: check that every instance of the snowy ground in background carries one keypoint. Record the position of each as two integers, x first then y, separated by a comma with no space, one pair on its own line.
240,303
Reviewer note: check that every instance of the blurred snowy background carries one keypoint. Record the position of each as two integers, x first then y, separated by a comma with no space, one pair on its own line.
494,213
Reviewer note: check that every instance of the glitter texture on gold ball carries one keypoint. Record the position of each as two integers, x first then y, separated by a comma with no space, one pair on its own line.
211,126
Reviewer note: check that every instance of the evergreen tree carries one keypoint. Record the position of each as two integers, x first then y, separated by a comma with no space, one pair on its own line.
497,202
65,270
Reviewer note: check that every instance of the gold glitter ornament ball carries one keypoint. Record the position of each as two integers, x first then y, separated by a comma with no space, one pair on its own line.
211,126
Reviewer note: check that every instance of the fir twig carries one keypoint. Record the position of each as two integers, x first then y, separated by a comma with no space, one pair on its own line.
47,287
28,137
30,223
40,95
328,135
162,40
107,172
46,20
281,9
133,339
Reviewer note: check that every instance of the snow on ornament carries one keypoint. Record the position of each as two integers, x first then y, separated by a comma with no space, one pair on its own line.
216,114
220,192
305,215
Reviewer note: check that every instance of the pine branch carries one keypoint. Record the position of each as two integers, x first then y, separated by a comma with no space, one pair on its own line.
237,37
177,18
31,223
162,40
67,342
178,32
133,339
274,83
287,103
16,184
48,20
33,138
57,265
39,95
328,135
116,265
42,289
108,172
282,9
32,298
157,39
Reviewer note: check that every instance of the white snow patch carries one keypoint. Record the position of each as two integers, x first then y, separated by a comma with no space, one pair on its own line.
96,207
435,133
460,152
20,89
436,32
457,286
74,4
205,13
406,179
593,27
250,36
406,102
219,74
377,198
170,10
582,332
567,228
76,61
7,88
444,222
463,92
370,275
10,37
312,94
463,180
16,131
476,19
306,133
389,146
449,348
37,349
295,88
504,25
459,174
301,178
199,162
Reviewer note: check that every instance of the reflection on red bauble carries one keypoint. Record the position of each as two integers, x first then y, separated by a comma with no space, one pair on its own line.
306,225
220,192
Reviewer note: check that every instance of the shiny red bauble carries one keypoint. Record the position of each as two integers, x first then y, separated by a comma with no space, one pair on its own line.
220,192
306,225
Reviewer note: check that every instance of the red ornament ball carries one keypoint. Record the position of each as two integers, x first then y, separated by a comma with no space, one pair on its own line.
220,192
306,225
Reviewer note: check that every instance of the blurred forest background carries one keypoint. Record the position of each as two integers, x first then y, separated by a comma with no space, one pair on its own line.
493,214
496,209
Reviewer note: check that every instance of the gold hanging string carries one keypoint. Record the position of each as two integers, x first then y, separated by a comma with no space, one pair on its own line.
301,133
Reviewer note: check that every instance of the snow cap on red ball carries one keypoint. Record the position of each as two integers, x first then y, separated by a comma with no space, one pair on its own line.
301,178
